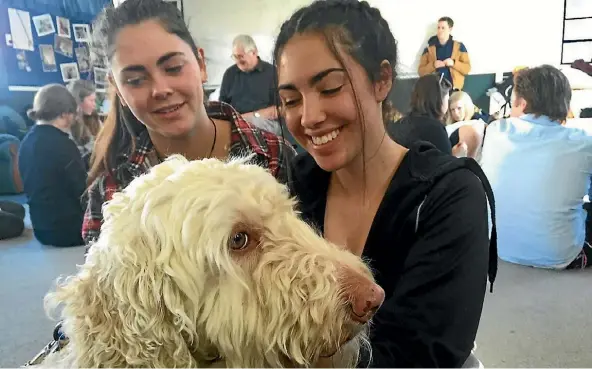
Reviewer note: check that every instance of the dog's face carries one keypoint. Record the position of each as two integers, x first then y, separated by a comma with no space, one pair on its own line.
215,254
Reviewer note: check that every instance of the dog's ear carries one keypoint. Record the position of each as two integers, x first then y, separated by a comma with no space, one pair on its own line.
117,313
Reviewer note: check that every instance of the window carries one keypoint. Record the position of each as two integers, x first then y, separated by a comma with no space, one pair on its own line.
577,31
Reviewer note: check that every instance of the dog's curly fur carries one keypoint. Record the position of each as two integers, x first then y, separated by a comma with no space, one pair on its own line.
168,283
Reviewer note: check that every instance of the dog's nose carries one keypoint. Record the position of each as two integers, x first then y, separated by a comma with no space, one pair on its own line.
365,303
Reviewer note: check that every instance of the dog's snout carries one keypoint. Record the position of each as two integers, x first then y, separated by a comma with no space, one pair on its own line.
365,296
367,301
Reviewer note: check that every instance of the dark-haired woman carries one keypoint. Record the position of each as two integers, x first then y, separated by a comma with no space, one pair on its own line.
54,176
419,216
158,109
428,107
87,124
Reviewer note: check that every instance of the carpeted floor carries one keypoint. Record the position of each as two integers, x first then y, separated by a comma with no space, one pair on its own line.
535,318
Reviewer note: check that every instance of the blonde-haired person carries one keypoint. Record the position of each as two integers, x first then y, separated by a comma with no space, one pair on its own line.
462,108
465,126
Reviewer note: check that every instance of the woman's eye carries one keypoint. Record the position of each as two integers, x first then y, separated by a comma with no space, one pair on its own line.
135,81
175,69
239,241
332,90
289,103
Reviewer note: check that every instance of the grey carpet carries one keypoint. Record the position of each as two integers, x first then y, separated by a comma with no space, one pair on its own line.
535,318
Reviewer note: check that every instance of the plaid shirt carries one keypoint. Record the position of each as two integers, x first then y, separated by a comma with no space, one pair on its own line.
271,152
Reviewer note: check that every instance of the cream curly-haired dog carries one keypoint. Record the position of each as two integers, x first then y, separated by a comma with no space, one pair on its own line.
206,263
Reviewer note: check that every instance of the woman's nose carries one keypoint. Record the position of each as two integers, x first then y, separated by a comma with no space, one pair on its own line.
160,87
312,112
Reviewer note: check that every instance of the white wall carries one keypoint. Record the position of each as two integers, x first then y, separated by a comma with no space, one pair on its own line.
499,34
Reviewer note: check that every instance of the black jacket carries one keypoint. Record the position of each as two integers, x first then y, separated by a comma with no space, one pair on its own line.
54,178
430,250
413,128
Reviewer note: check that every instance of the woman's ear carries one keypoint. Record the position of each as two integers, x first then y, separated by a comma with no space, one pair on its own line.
383,86
202,65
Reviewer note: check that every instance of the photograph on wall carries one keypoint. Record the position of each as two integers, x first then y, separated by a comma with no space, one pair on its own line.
43,25
178,4
63,27
101,76
81,32
63,46
48,58
23,63
69,72
83,58
20,29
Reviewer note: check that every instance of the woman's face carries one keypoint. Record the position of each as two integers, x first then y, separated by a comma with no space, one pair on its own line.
89,104
159,78
319,104
457,111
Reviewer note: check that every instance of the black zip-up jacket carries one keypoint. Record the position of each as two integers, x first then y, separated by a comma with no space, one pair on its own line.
430,249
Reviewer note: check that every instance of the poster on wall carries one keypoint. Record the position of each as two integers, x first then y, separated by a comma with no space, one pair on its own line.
63,27
69,72
83,58
43,25
100,76
23,63
48,58
20,29
81,32
63,45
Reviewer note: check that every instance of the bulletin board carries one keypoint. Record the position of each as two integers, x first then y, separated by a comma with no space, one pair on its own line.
44,43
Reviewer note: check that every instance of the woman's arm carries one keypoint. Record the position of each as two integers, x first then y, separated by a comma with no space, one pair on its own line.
431,320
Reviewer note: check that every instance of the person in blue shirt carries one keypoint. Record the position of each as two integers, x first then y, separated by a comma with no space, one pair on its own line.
540,172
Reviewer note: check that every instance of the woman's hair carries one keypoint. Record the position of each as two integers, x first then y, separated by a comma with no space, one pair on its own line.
546,91
466,101
353,26
86,127
427,98
80,89
51,102
121,128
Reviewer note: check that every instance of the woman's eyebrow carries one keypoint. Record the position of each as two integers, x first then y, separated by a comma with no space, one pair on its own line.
163,59
313,80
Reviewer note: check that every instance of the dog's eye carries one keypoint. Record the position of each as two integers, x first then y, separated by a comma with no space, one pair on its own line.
239,241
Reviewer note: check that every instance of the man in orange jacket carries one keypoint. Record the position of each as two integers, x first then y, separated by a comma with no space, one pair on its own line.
445,56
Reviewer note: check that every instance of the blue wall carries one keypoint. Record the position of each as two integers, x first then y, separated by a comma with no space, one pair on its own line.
77,11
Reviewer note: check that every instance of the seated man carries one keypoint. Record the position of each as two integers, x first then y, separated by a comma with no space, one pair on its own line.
540,172
445,56
249,85
53,173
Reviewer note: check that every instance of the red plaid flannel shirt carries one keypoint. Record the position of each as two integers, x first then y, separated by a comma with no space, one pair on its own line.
271,151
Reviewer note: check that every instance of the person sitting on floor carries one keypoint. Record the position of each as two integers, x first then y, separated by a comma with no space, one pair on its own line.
87,125
53,173
428,106
461,108
12,217
540,172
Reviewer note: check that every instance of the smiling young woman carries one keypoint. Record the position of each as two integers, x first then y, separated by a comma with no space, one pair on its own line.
418,216
158,109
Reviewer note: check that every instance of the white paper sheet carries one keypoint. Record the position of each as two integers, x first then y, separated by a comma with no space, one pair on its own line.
43,25
578,8
20,28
